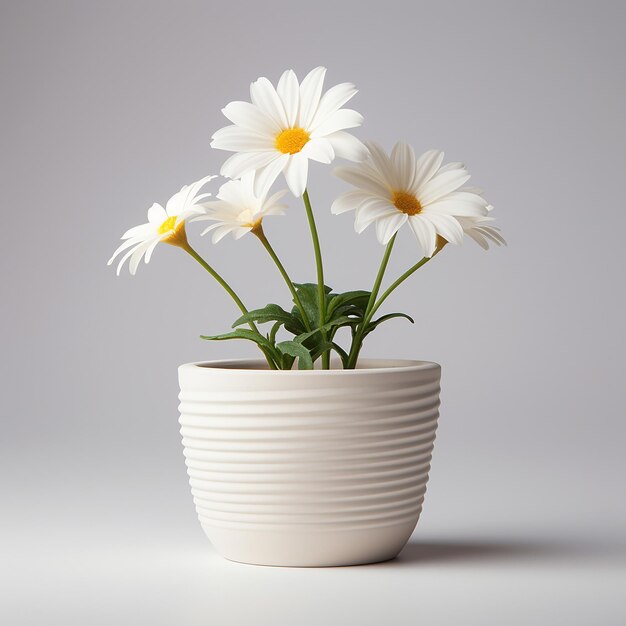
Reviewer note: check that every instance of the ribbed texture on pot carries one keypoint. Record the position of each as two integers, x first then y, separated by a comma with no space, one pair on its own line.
317,458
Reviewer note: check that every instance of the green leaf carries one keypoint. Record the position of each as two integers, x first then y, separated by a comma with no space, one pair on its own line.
242,333
272,333
315,341
354,302
307,292
372,325
296,326
336,323
345,357
269,313
312,286
294,349
286,362
320,348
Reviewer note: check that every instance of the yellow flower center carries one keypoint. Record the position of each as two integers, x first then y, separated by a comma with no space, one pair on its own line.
406,202
291,140
167,225
176,235
256,227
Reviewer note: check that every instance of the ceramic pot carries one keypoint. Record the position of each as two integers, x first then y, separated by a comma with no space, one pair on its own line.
308,468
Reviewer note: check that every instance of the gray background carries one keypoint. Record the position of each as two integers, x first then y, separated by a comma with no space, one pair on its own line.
109,106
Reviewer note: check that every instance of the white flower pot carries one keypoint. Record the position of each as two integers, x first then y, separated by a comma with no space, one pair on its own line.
309,468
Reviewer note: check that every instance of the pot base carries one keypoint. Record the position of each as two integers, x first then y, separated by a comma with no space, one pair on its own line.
311,549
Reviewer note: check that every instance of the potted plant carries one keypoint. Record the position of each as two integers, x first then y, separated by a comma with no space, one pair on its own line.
311,455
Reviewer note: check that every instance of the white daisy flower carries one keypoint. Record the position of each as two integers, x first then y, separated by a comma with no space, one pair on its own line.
164,224
480,231
282,128
238,210
393,190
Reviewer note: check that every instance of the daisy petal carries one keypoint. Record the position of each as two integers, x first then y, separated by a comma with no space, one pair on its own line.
453,165
239,139
213,226
288,90
137,255
265,177
403,163
275,211
127,244
441,185
241,163
425,233
449,205
347,146
425,168
370,211
348,201
140,231
469,197
446,226
123,259
240,231
358,177
310,92
493,234
230,194
264,95
382,163
221,231
275,197
387,227
156,214
475,190
455,209
191,213
296,173
339,120
332,101
251,117
150,250
186,197
320,150
479,239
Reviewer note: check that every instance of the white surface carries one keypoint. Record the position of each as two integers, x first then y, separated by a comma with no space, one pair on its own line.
451,579
112,546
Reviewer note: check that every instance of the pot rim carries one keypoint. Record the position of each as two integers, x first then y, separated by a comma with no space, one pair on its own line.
367,366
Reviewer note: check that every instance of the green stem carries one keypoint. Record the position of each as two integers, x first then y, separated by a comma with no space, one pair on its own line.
258,231
398,282
231,292
358,337
356,345
321,291
380,275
